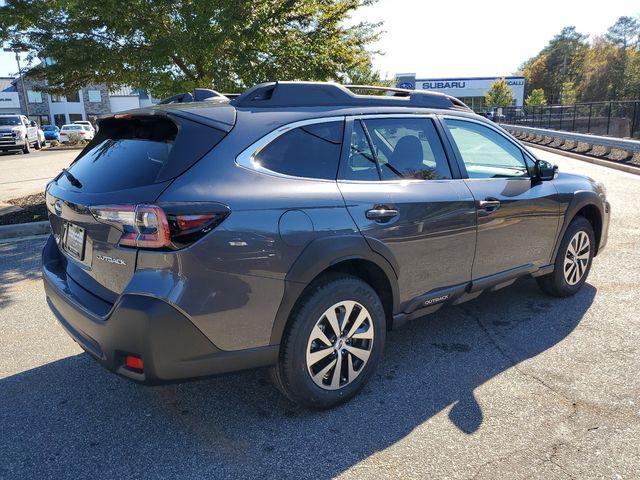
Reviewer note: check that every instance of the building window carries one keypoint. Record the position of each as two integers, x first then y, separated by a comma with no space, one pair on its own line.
58,98
75,117
94,96
60,119
34,97
41,119
73,97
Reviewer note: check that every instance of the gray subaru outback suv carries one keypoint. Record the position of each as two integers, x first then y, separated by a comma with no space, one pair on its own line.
293,226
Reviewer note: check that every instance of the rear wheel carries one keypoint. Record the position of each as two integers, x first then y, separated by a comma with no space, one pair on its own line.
573,261
333,345
27,148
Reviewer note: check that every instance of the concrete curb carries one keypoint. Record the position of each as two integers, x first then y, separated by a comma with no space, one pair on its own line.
597,161
19,230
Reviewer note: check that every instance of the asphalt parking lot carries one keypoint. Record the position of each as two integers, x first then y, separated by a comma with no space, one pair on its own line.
22,175
514,384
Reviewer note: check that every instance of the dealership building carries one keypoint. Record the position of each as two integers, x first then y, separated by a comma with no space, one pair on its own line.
87,103
470,90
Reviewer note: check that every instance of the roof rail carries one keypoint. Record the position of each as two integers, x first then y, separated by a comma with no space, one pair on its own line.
402,92
312,94
198,95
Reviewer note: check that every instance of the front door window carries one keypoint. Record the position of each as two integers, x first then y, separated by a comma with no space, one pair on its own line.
485,153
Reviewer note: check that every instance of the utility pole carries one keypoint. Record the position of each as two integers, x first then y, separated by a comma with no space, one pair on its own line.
24,90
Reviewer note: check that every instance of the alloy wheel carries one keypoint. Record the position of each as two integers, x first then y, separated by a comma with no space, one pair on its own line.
576,258
340,345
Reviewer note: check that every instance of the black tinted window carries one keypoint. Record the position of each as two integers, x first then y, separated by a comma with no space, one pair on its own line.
129,153
408,148
312,151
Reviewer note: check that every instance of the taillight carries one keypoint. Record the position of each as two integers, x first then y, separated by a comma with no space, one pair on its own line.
171,226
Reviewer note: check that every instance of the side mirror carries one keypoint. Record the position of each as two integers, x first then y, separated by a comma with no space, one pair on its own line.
546,170
33,123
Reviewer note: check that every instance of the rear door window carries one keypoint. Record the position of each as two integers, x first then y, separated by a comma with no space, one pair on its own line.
404,148
312,151
360,163
128,153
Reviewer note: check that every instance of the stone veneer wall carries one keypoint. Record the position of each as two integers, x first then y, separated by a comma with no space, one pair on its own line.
97,109
41,108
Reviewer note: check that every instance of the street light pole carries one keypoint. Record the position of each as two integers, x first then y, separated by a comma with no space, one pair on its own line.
24,90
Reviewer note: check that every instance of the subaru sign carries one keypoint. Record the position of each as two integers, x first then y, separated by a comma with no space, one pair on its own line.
470,87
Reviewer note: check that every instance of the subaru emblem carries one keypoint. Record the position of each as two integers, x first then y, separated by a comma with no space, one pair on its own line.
58,207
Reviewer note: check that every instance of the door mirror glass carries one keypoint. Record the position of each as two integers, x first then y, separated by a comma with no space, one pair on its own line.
33,124
546,170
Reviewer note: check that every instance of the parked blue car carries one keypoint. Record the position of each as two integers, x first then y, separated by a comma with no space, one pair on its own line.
51,132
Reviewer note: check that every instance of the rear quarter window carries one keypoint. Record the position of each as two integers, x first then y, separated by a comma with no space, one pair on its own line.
311,151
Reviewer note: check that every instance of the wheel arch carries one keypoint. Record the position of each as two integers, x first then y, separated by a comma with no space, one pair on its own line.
588,205
349,254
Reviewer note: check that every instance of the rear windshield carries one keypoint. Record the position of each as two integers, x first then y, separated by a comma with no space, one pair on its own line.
72,127
129,153
49,127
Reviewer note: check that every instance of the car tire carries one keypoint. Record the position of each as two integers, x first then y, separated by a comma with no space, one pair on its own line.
302,344
27,148
38,145
573,260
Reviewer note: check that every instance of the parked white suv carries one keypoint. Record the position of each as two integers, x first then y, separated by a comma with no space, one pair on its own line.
18,133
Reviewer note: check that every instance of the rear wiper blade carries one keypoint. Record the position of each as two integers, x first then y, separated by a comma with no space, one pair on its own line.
72,180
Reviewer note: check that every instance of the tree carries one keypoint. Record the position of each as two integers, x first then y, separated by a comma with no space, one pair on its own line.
499,94
171,46
632,76
624,33
604,72
563,60
568,94
536,99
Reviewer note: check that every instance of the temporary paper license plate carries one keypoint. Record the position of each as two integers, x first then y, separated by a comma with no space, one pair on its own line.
74,241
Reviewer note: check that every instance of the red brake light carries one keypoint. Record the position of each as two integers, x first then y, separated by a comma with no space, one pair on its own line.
189,222
151,226
143,226
134,362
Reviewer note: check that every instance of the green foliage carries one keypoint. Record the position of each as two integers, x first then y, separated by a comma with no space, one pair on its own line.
536,98
624,33
568,93
499,94
171,46
572,69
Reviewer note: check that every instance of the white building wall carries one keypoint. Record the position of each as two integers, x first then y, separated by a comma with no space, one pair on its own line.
9,103
119,104
463,87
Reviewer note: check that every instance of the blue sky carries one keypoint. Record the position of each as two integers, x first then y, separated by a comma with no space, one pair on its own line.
468,38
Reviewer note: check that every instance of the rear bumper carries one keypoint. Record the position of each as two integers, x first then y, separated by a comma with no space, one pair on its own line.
170,346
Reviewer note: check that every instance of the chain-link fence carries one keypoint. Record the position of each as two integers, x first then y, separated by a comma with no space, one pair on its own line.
616,119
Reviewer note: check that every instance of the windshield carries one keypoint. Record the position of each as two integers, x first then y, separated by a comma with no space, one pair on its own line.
10,121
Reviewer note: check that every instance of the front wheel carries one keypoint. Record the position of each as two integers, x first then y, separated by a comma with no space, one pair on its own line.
27,148
333,344
573,261
38,145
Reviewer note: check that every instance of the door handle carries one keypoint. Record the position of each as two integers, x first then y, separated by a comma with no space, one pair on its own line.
489,204
381,214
